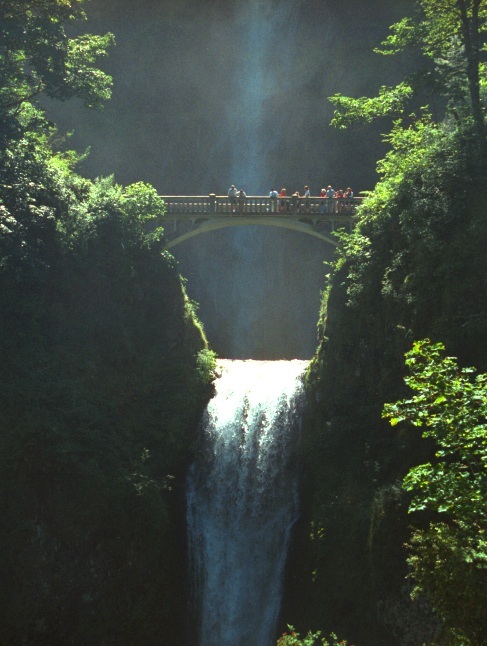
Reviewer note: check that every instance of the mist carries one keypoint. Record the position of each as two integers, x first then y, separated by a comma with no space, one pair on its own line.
207,94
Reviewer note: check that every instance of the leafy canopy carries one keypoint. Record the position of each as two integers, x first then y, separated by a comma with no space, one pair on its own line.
451,36
37,55
293,638
448,559
450,406
104,368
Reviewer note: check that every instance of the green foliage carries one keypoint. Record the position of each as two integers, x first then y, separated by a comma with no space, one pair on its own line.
390,102
81,79
142,201
422,224
414,266
105,369
404,33
449,557
435,25
451,407
104,375
293,638
411,147
36,55
206,364
450,34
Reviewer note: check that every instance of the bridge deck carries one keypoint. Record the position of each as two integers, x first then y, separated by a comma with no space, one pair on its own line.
315,216
190,206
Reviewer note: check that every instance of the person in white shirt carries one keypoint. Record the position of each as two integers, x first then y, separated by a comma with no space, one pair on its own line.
307,195
242,198
273,200
232,194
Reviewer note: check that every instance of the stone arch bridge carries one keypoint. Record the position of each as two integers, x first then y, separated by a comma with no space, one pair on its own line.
189,216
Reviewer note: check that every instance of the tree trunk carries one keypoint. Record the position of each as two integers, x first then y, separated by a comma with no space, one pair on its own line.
471,37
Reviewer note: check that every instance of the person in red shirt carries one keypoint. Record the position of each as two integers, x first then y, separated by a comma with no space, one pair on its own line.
340,195
323,198
283,203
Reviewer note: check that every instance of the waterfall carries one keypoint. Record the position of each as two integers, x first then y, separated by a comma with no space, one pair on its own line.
242,501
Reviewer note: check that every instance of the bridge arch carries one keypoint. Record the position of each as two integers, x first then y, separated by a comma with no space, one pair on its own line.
214,225
191,216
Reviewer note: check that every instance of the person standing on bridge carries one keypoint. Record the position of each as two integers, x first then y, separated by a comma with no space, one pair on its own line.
339,202
273,195
232,195
330,194
307,196
283,203
323,200
241,200
349,196
295,201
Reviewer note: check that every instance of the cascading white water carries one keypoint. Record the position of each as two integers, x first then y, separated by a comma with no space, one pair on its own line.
242,501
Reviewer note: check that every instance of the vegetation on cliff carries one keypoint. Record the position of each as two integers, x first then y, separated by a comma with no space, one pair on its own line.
293,638
448,557
104,368
414,267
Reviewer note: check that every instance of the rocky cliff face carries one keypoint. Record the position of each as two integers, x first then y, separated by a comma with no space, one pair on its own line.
104,375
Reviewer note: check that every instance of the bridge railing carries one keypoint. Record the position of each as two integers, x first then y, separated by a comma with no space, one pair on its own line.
212,205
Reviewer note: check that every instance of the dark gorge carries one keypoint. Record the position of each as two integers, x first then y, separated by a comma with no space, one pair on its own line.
212,94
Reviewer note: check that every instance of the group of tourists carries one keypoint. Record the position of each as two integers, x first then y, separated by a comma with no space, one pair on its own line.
237,198
329,200
342,201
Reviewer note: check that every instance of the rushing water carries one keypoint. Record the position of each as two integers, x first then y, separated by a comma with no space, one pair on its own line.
242,501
